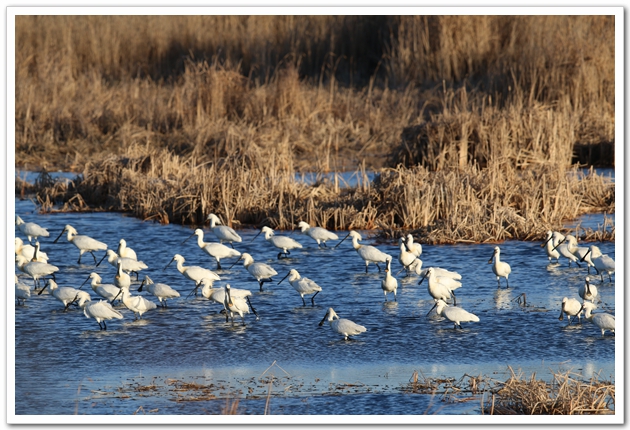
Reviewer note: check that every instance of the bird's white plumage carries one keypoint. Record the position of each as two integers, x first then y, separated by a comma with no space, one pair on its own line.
588,291
563,247
194,273
302,285
122,279
28,251
101,311
30,229
549,244
319,234
106,291
218,294
67,295
580,252
572,308
368,253
159,290
602,262
82,242
214,249
440,288
261,271
602,320
389,284
124,251
136,304
128,264
35,269
22,291
500,268
223,232
234,305
408,260
343,326
413,247
455,314
284,243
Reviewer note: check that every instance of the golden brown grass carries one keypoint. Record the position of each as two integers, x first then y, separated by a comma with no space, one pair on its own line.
463,205
330,91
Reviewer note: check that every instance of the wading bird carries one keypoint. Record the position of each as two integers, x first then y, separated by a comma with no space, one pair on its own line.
35,269
500,268
122,279
217,295
563,248
602,320
106,291
285,243
343,326
136,304
28,251
453,314
581,252
129,265
439,272
366,252
408,260
161,291
124,251
572,308
30,229
261,271
223,232
22,292
389,284
602,262
413,247
440,288
234,305
67,295
215,250
302,285
84,243
194,273
101,311
549,244
319,234
588,291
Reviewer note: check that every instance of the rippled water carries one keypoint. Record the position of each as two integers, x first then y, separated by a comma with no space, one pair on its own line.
65,365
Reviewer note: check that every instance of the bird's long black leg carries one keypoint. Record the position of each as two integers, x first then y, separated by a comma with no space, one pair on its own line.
251,306
379,267
218,265
94,257
454,298
366,267
303,302
313,298
232,245
507,283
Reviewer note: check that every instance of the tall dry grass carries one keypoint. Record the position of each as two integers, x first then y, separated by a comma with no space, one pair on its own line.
465,205
332,91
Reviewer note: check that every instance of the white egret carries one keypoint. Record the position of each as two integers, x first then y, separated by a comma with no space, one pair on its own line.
22,292
28,251
500,268
389,284
319,234
223,232
122,279
439,272
549,245
129,265
124,251
366,252
563,248
602,320
602,262
67,295
136,304
285,243
101,311
414,247
581,252
572,308
261,271
454,314
35,269
30,229
343,326
106,291
408,260
302,285
218,294
194,273
440,287
588,291
161,291
84,243
234,305
215,250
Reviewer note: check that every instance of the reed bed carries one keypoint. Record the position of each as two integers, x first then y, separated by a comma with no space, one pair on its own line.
567,394
465,205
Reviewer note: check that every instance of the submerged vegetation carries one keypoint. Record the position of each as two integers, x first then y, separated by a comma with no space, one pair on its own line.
471,123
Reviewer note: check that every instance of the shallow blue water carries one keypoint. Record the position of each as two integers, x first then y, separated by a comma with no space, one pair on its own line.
64,363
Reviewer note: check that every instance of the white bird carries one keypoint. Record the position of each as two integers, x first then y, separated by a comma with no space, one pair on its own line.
408,260
101,311
161,291
124,251
215,250
67,295
35,269
319,234
602,320
261,271
302,285
122,279
439,272
581,252
30,229
217,295
28,251
366,252
22,292
136,304
234,305
223,232
588,291
194,273
129,265
440,288
602,262
389,284
84,243
572,308
500,268
285,243
413,247
563,248
342,326
106,291
454,314
549,245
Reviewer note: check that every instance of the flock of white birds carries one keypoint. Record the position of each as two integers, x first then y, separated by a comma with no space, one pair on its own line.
442,283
